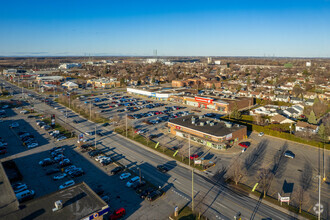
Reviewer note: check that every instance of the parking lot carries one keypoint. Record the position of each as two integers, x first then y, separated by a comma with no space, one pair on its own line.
39,179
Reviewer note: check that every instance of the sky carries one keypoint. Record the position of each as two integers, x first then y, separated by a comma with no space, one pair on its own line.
280,28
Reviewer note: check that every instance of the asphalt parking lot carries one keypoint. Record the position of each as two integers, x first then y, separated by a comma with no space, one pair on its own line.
97,177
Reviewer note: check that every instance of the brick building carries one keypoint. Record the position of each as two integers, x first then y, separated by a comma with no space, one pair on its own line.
207,131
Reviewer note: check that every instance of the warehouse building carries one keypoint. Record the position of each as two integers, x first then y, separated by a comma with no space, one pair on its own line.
207,131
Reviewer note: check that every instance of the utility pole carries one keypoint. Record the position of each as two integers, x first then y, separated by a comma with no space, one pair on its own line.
192,190
140,174
126,125
319,214
90,110
189,149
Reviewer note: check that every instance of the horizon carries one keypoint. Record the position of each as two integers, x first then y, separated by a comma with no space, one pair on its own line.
295,29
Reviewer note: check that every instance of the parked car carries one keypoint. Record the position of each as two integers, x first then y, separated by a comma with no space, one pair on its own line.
146,192
194,156
261,134
66,184
76,173
132,181
289,154
138,184
3,151
124,176
155,195
60,176
19,187
94,153
14,125
116,170
117,214
46,162
25,195
52,171
32,145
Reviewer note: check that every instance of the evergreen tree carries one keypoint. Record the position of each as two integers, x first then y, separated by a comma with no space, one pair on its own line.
235,113
312,118
321,131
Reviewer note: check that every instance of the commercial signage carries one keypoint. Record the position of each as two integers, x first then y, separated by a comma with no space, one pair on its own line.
198,161
285,199
53,121
229,136
178,128
204,100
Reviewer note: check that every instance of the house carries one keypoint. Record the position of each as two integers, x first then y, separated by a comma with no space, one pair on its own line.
294,111
281,120
296,100
282,98
309,102
306,127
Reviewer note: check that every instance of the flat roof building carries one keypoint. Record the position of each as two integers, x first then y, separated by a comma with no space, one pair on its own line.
160,93
207,131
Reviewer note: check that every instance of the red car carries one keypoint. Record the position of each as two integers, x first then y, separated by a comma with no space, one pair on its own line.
243,145
117,214
194,156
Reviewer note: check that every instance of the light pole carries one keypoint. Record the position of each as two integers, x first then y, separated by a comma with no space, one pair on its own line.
192,189
90,110
126,125
95,136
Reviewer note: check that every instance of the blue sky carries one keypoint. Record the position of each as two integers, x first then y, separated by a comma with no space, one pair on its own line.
175,28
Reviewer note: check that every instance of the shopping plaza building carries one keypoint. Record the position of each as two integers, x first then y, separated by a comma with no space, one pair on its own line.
213,133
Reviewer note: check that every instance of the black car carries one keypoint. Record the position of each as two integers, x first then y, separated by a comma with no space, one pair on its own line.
105,162
46,162
162,168
105,124
155,195
94,153
76,121
52,171
146,192
116,170
138,184
77,173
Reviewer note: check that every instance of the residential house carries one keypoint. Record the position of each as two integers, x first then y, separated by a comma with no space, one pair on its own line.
281,120
296,100
306,127
282,98
294,111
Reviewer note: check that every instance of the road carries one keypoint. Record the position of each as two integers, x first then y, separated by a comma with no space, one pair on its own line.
219,201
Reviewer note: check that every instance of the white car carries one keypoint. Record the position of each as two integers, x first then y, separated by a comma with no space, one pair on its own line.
261,134
14,125
66,184
61,138
56,108
124,176
60,176
23,112
32,145
99,158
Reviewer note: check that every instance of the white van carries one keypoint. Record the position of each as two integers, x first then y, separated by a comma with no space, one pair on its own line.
132,181
25,195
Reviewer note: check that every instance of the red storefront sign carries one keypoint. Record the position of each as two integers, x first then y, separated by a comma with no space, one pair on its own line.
204,100
178,128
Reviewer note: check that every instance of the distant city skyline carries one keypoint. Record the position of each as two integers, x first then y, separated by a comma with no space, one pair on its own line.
175,28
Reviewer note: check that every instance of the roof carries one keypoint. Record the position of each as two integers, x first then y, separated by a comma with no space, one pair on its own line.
78,201
8,201
306,125
280,118
70,84
220,128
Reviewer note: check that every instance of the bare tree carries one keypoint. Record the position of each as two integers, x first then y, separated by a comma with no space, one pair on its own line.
236,172
300,197
265,178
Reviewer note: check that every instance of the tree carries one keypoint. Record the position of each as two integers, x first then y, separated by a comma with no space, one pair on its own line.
300,197
312,118
265,178
236,171
235,113
321,132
